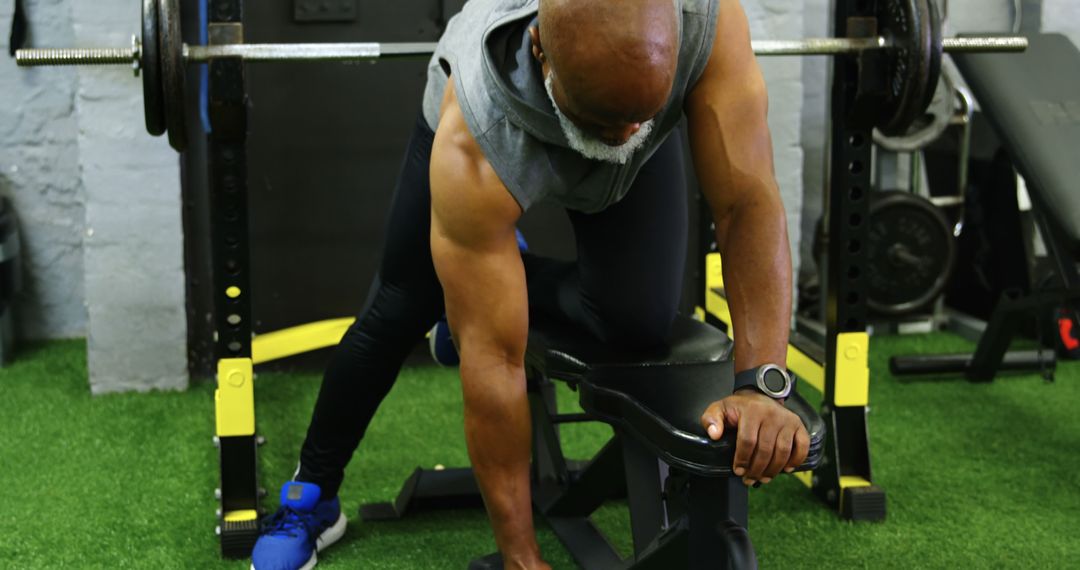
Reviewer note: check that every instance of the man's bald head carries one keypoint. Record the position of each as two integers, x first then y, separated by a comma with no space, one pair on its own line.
614,61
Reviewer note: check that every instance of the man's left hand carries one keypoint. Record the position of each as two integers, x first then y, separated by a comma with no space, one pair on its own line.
770,439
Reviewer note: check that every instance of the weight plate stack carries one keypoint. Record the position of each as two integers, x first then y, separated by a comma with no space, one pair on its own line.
911,253
930,125
150,66
937,52
173,73
913,68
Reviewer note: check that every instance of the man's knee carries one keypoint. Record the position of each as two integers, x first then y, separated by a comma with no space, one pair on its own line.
637,329
394,311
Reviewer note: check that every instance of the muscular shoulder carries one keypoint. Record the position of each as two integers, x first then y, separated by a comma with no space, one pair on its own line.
452,137
732,68
468,198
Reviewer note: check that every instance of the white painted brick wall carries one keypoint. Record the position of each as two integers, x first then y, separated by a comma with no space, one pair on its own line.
98,201
39,172
783,19
1062,16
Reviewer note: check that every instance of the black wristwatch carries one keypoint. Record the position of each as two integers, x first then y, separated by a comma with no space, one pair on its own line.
769,379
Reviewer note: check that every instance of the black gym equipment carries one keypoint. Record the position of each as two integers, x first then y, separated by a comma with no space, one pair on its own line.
687,510
907,32
1032,101
238,520
911,254
913,75
153,92
172,70
18,29
884,69
10,278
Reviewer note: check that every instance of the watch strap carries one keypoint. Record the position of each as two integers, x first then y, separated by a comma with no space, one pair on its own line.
746,379
749,379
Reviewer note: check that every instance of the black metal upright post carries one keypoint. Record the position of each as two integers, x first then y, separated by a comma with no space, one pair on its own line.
234,399
844,479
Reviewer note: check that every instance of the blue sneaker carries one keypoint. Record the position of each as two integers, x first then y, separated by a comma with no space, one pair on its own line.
441,342
300,528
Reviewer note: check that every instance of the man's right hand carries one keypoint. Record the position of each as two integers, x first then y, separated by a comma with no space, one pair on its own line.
770,438
475,252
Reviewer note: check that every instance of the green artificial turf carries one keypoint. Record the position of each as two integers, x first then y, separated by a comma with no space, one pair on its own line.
976,475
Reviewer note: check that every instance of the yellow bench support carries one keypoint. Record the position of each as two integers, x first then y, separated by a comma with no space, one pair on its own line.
234,399
298,340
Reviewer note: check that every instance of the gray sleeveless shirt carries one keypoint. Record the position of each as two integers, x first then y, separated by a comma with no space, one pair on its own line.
487,50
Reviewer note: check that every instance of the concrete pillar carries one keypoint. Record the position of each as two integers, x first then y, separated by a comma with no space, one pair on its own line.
133,250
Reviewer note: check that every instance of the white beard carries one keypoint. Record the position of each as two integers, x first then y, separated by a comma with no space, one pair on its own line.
592,148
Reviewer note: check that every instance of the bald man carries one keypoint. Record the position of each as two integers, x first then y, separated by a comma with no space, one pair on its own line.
576,102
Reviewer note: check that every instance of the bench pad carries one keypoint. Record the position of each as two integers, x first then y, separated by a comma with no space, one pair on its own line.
657,396
1033,100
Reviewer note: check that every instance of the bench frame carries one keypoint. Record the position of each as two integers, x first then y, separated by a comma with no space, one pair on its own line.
678,520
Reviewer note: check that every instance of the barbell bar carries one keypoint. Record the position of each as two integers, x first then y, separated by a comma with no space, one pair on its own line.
909,33
358,52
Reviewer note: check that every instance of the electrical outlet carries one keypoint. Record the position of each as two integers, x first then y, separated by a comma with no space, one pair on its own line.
324,10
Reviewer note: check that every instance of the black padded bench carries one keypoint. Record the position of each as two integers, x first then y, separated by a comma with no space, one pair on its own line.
1033,101
686,509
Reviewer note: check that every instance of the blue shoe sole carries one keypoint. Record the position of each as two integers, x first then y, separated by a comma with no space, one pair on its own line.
327,538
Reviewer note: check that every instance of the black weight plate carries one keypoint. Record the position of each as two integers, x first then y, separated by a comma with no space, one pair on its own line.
927,128
911,252
153,96
937,53
173,72
908,26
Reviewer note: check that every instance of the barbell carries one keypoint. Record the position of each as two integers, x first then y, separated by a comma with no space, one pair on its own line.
907,32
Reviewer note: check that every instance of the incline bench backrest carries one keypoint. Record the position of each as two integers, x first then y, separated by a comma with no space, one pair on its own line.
1033,100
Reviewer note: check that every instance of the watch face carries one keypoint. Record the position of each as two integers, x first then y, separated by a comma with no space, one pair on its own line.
775,380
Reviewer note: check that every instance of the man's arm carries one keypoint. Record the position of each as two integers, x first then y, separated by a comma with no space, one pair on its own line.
476,256
732,149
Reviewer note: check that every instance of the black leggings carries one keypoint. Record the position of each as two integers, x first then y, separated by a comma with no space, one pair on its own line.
624,288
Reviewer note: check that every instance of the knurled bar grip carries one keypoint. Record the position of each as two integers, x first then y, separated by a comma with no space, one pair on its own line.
376,51
74,56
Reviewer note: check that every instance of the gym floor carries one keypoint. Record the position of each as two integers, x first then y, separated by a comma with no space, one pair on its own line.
976,475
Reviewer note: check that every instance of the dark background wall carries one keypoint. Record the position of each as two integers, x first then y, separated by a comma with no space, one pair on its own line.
325,146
